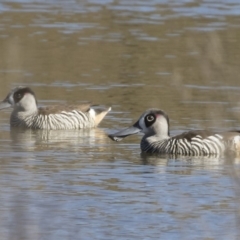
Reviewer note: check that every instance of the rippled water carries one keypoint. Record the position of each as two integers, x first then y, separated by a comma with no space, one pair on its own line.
181,56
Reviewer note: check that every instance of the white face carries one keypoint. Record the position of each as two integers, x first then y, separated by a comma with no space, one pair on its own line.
27,102
156,124
22,99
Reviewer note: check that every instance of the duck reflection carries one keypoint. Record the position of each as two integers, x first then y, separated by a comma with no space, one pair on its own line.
186,164
32,140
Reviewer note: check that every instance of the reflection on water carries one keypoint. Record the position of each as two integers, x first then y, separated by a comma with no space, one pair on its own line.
180,56
51,189
190,164
32,139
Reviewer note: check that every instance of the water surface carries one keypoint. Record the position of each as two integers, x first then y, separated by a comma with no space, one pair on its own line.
180,56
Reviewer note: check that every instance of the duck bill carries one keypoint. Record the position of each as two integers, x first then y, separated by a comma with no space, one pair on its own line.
5,104
118,136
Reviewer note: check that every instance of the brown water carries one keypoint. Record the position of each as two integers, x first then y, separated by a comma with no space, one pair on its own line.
181,56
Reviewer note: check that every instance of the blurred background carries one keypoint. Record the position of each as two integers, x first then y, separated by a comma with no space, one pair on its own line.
181,56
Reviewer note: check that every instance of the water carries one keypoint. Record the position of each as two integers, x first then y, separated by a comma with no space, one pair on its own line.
180,56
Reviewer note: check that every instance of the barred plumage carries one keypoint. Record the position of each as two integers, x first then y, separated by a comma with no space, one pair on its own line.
154,123
26,113
198,146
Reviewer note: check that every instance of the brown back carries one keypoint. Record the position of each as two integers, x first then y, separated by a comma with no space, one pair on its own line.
54,109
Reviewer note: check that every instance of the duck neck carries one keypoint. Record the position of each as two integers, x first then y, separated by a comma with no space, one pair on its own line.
155,138
151,143
23,118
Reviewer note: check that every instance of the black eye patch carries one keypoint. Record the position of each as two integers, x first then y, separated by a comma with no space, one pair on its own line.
17,96
20,92
149,119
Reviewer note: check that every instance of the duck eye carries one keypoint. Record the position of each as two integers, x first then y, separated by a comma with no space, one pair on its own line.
150,118
17,97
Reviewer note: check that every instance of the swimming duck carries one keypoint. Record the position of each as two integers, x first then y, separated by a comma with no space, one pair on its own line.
26,113
154,123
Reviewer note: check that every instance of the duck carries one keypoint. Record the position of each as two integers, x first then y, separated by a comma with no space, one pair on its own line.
154,123
27,114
